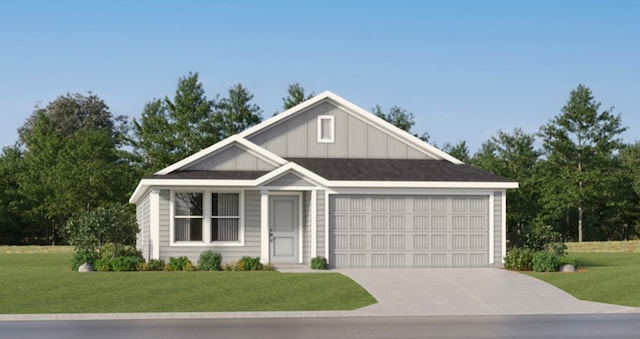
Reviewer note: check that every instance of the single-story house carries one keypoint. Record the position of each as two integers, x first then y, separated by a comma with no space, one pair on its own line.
325,178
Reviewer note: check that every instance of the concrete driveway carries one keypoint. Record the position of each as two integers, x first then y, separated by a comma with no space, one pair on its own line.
484,291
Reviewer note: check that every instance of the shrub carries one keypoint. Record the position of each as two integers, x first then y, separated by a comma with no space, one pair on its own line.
319,263
120,264
180,264
102,264
545,261
141,266
81,257
538,238
209,261
519,259
268,267
567,260
249,264
155,265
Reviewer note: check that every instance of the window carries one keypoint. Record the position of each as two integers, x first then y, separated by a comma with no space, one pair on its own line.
200,218
225,216
326,128
188,217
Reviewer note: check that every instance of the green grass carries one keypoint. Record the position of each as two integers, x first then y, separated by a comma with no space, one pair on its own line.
43,283
612,278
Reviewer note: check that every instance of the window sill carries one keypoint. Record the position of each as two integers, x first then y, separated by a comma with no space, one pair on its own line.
206,244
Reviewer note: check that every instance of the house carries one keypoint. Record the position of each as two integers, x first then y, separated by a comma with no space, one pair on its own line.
325,178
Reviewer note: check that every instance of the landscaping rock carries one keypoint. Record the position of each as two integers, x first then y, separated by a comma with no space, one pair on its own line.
567,268
86,267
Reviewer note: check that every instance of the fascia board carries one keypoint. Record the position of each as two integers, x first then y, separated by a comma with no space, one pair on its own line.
397,132
423,184
295,168
198,155
285,115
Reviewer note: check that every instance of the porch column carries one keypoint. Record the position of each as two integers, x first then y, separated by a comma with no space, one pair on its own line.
314,224
264,226
154,224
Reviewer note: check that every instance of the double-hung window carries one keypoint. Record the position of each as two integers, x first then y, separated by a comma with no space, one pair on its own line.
188,217
209,217
225,216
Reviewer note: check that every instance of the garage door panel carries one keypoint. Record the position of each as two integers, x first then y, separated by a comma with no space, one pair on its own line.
430,231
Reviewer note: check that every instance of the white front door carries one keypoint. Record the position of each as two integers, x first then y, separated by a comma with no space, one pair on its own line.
283,228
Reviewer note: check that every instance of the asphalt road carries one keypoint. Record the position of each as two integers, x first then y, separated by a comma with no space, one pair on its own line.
528,326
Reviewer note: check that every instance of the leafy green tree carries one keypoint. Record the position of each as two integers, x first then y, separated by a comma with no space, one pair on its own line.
171,130
579,145
459,151
514,155
68,151
296,96
400,118
15,228
236,112
89,230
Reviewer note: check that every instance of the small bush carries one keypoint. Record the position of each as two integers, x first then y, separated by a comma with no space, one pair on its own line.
519,259
545,261
155,265
249,264
141,266
319,263
81,257
209,261
120,264
102,264
268,267
567,260
180,264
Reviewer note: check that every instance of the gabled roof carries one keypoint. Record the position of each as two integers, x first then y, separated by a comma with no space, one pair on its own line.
360,113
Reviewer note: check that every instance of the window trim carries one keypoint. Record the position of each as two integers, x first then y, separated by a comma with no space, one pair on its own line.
332,129
206,220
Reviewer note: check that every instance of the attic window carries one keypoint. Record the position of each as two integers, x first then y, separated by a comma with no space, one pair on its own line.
326,128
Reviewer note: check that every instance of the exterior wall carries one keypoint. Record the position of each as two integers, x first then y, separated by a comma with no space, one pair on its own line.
289,179
232,158
497,224
354,138
251,233
143,218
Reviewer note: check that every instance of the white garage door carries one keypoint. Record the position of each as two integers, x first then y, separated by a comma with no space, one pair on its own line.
409,231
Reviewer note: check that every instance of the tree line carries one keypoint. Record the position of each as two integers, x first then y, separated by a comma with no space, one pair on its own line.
74,156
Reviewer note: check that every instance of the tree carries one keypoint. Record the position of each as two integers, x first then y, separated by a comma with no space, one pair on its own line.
69,148
171,130
459,151
236,112
296,96
579,145
514,156
89,230
14,225
400,118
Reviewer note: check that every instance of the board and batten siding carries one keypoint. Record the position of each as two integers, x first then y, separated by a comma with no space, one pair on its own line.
143,217
251,233
232,158
354,137
497,224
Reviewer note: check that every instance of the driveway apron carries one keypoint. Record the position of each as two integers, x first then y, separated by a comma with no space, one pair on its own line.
484,291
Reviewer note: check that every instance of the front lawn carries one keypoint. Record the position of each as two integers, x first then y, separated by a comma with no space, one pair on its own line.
43,283
612,278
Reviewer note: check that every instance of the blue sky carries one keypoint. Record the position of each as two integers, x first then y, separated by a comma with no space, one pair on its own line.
465,69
